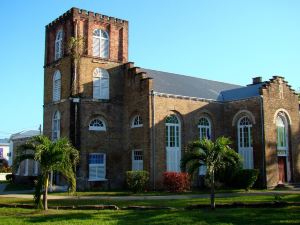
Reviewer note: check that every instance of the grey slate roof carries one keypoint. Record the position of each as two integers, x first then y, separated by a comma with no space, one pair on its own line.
25,134
176,84
4,141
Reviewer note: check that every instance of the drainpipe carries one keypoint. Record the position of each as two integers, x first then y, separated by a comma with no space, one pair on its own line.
153,139
263,142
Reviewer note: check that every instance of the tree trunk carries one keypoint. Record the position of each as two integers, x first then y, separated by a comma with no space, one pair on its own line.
212,190
45,201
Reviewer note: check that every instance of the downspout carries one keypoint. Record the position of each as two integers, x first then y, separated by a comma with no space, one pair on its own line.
153,138
263,142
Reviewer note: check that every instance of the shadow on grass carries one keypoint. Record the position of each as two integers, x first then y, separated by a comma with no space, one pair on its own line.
52,217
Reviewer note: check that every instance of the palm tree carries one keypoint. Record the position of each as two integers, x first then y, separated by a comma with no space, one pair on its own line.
214,155
58,156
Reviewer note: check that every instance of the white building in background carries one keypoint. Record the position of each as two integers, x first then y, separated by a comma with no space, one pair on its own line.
5,150
27,167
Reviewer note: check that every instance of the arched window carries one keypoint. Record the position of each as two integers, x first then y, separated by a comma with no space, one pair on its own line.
100,84
100,43
56,126
281,126
56,86
245,142
204,128
173,145
58,44
97,124
245,134
137,121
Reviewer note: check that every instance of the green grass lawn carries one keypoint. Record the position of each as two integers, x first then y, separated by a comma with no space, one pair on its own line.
174,203
288,215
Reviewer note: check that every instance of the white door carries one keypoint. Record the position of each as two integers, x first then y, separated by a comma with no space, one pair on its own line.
245,142
173,150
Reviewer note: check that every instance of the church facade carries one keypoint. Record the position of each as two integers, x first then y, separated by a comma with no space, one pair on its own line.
122,117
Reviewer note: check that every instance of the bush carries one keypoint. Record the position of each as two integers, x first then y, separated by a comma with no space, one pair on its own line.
245,178
9,177
176,182
227,175
137,180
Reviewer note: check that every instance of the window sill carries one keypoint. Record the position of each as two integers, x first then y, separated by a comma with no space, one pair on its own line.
102,179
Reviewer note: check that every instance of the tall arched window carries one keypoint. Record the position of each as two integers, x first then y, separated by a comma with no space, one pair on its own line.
56,86
100,43
245,141
173,138
56,126
58,44
100,84
284,172
97,125
204,128
281,126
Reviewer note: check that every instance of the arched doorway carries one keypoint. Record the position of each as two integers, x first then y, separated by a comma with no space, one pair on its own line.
245,142
173,143
282,148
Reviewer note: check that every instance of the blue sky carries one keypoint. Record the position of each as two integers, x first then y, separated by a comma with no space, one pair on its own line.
230,41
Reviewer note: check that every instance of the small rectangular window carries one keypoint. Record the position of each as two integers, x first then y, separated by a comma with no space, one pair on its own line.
97,166
137,160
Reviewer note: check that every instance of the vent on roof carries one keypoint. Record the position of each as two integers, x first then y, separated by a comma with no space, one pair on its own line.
256,80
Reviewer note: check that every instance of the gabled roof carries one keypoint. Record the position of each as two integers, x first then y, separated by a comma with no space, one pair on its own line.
4,141
176,84
25,134
242,93
170,83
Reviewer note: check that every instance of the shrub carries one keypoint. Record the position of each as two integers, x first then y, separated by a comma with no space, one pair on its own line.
9,177
176,182
227,175
245,178
137,180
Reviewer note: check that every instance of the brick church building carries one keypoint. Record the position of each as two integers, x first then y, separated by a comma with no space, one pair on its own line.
122,117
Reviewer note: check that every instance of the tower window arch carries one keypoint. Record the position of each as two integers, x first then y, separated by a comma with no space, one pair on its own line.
56,86
56,125
245,132
282,134
204,126
100,84
137,121
100,43
97,125
58,44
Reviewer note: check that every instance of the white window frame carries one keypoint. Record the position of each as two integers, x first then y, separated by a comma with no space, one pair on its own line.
56,126
100,43
97,167
173,144
136,121
35,167
205,127
100,84
137,160
97,128
56,86
58,45
282,123
245,148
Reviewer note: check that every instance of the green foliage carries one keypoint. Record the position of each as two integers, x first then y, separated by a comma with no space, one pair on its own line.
9,177
227,174
214,155
245,178
137,181
58,156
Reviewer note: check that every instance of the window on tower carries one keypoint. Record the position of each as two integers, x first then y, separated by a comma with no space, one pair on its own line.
58,44
100,43
100,84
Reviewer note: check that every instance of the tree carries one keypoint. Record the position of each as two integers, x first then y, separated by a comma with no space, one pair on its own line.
214,155
57,156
